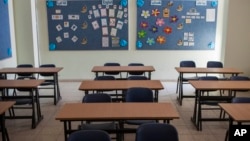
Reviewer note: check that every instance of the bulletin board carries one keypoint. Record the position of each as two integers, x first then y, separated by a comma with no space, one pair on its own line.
5,42
87,24
176,24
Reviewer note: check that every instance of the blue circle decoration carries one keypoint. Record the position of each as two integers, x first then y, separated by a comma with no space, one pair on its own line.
211,45
52,46
139,44
50,4
123,43
140,3
5,1
214,3
124,3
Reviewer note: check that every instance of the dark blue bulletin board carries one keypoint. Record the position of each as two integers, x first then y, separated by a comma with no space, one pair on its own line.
5,42
87,24
176,24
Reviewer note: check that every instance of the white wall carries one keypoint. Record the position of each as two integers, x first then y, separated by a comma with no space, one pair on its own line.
78,64
238,36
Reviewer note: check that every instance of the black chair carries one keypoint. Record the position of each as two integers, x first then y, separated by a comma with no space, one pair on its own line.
136,73
89,135
139,94
239,78
49,83
113,73
216,64
156,132
190,64
107,77
109,126
135,77
210,102
24,75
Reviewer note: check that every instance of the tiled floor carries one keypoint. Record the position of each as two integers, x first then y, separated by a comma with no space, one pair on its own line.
50,129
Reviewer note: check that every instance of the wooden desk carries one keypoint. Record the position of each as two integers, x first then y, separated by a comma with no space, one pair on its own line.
214,85
238,112
55,71
114,111
92,85
4,106
27,84
98,69
186,70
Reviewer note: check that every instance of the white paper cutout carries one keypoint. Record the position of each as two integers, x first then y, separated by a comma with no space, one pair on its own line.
201,2
119,25
104,22
112,21
58,11
74,27
95,25
59,27
105,31
59,39
156,2
210,15
111,13
113,32
66,34
66,24
57,17
96,13
73,17
119,14
74,38
105,42
103,12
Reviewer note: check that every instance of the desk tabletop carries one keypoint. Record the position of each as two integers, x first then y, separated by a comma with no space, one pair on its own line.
208,70
119,84
20,83
31,70
117,111
123,68
220,85
5,105
238,111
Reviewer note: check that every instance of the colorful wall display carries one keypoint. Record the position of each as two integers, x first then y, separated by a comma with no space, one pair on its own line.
87,24
176,24
5,41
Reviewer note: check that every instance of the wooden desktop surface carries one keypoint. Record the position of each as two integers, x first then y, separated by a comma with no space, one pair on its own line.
31,70
119,84
208,70
5,105
237,111
220,85
116,111
123,68
20,83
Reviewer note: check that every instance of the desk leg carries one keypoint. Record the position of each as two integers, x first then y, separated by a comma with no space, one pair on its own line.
2,120
33,109
38,106
180,97
67,129
156,96
149,75
194,119
57,94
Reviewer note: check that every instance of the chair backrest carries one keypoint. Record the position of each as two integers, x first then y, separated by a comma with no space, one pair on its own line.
96,98
114,72
139,94
208,78
156,132
47,66
187,63
105,78
239,78
214,64
89,135
24,74
137,72
241,100
137,78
